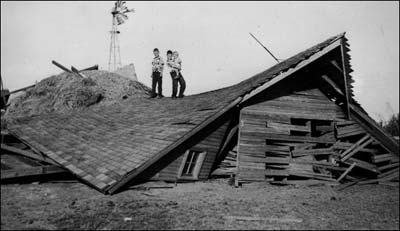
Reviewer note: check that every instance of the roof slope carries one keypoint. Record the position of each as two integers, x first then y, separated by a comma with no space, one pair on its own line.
103,145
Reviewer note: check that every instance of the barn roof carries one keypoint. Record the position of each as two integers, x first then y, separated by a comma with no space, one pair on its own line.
106,147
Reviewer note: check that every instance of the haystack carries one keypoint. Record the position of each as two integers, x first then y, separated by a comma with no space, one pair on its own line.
66,91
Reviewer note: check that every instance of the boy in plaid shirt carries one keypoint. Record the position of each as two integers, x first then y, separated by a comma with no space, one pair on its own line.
157,70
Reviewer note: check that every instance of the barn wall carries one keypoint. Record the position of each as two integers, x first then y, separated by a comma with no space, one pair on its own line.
270,129
210,140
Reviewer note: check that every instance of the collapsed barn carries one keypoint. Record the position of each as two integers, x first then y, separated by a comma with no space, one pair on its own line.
296,120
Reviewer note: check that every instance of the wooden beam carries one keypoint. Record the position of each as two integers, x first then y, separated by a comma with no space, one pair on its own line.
95,67
336,65
346,172
29,172
363,164
344,146
301,65
355,145
76,72
375,130
384,157
318,151
129,176
345,73
61,66
333,85
357,149
27,154
231,134
389,166
22,89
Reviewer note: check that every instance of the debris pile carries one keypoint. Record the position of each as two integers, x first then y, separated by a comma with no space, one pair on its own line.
353,157
66,91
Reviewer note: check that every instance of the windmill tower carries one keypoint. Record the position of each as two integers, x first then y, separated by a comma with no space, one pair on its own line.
119,16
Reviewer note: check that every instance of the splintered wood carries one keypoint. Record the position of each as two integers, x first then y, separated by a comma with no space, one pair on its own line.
305,136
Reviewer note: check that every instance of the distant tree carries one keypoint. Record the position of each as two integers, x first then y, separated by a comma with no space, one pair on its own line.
392,126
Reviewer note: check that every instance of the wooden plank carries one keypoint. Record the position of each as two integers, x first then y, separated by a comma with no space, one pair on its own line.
265,147
313,175
362,164
389,166
298,115
274,172
390,172
375,130
349,133
383,157
263,117
345,123
345,145
264,130
289,127
346,172
318,151
354,151
298,139
304,146
299,104
348,128
357,144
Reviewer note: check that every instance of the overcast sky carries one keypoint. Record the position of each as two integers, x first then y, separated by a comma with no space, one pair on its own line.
212,38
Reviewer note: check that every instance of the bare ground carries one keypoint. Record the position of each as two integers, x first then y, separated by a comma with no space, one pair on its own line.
200,205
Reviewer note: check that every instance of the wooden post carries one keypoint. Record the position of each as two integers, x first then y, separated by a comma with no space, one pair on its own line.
238,149
345,77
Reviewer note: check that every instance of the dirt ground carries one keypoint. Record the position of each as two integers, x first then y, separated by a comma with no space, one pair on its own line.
200,205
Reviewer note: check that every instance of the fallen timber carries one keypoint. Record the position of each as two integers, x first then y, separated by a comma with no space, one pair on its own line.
20,163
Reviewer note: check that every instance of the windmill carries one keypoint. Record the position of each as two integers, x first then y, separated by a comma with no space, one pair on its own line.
119,16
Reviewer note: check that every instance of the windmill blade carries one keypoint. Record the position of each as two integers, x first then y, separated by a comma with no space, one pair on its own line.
121,18
124,16
123,8
129,10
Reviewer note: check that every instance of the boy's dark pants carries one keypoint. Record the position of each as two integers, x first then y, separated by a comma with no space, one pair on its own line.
157,79
175,81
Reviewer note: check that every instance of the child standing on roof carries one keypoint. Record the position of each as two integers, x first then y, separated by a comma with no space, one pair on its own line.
157,70
175,64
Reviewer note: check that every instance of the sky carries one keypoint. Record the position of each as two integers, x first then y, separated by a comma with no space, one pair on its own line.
212,38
